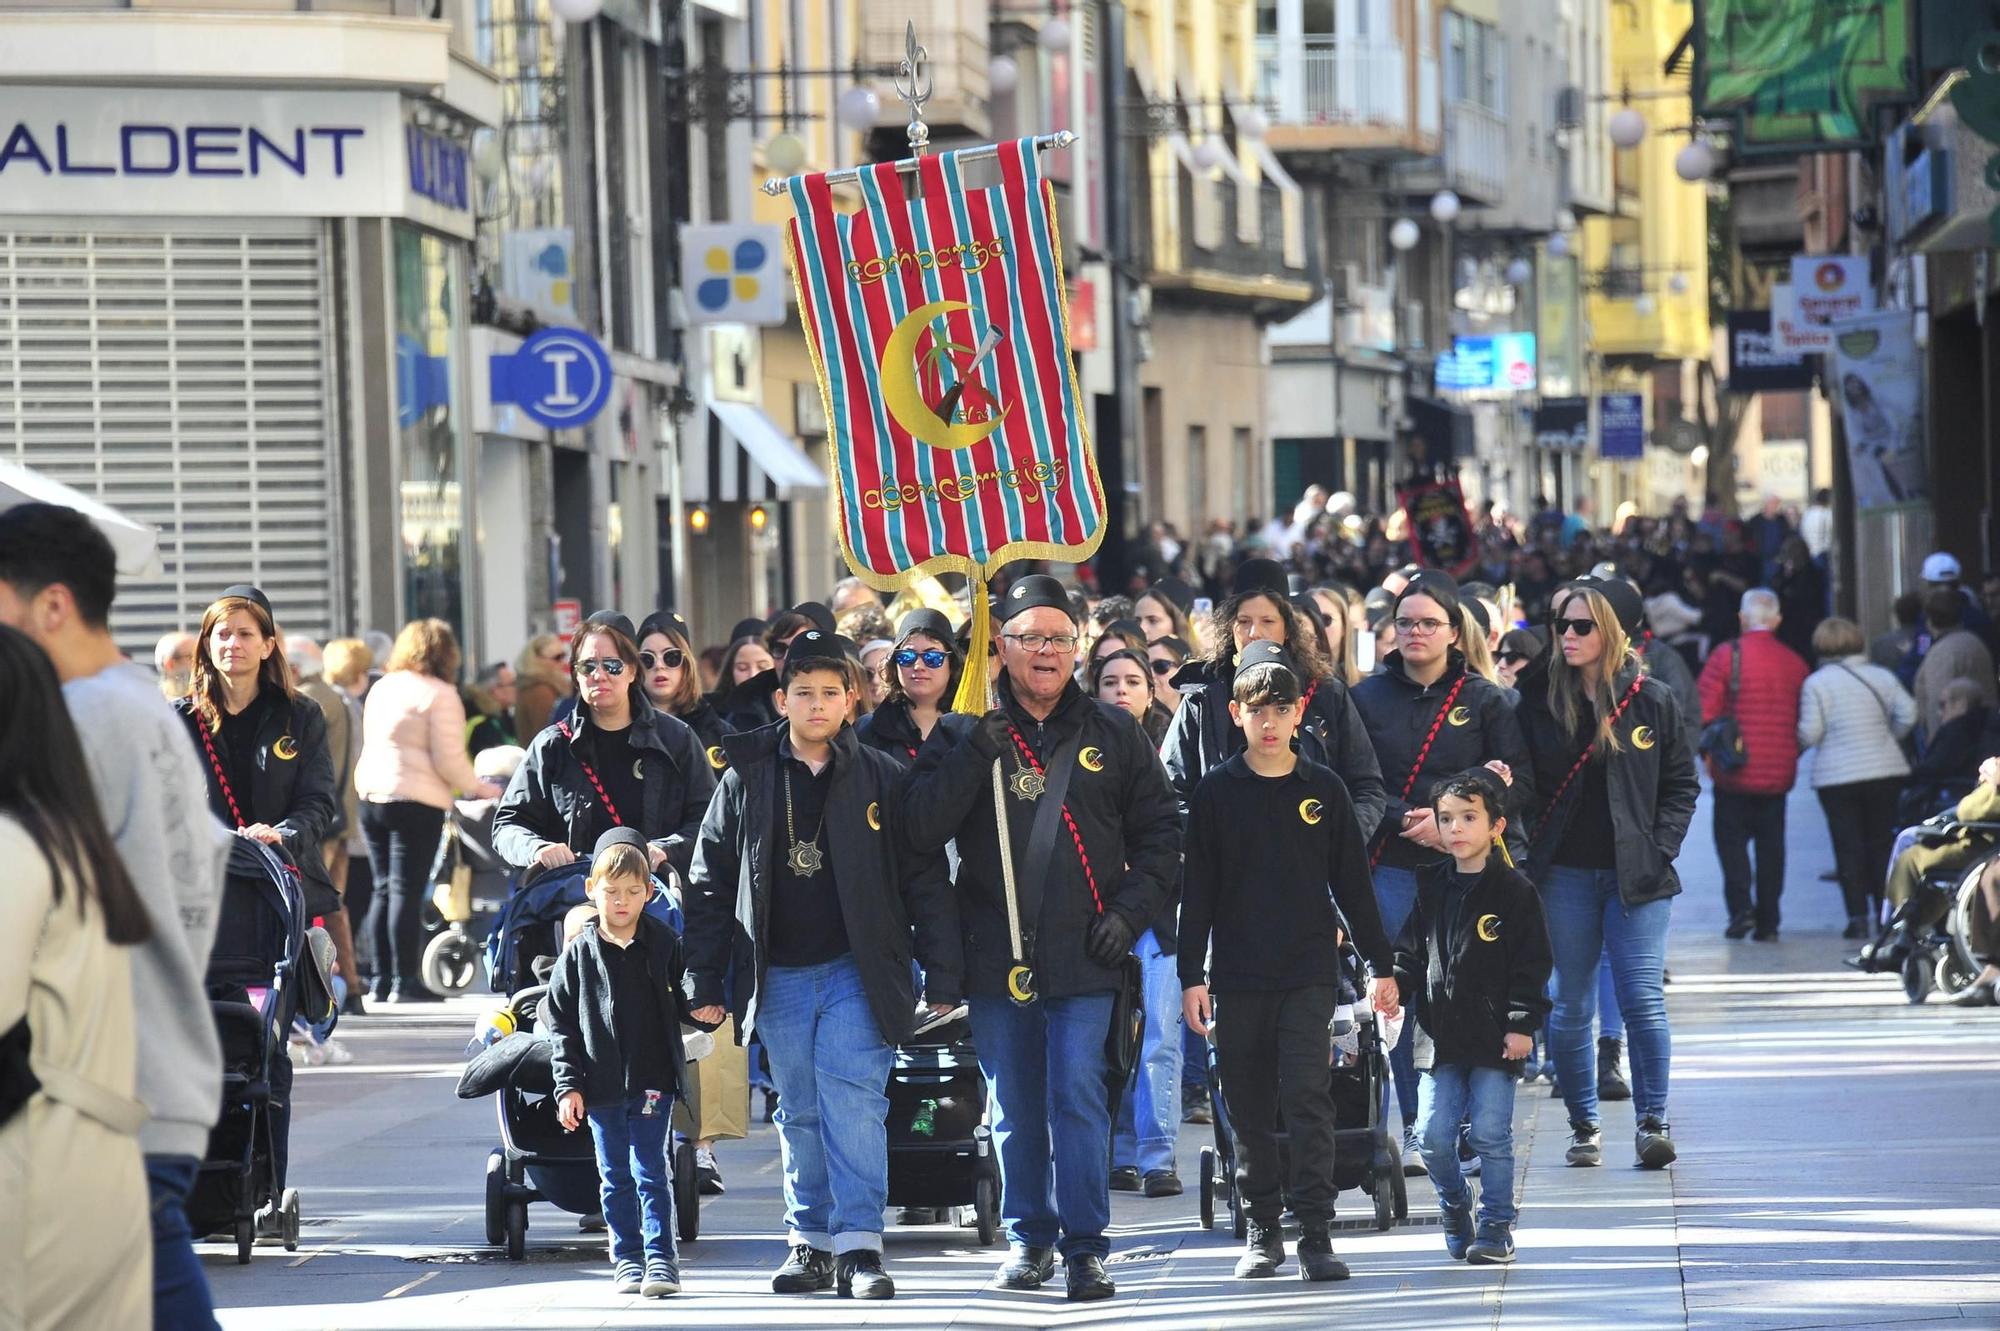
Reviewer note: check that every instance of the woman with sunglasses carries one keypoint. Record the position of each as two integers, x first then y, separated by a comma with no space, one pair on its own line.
1429,716
618,762
924,667
1166,656
673,682
1336,630
1613,789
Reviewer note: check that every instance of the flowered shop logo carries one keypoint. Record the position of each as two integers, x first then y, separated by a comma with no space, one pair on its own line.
732,275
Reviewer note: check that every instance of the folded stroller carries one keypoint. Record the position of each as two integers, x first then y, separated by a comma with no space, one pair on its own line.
940,1147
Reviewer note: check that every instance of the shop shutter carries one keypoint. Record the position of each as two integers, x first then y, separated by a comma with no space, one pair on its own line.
183,377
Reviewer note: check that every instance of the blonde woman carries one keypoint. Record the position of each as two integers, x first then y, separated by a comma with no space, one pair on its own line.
1614,788
541,682
413,763
1336,615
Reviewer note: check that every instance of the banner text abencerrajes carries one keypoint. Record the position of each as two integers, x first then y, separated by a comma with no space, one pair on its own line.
1033,482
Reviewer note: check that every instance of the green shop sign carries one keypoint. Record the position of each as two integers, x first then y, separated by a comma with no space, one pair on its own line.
1800,75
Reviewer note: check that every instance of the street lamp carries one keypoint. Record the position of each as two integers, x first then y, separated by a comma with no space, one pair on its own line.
1404,235
1054,35
577,11
785,154
1627,126
1558,246
1208,154
1520,273
1695,162
1445,207
859,107
1003,74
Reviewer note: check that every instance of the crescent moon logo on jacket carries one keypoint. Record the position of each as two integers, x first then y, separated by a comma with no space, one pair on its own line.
1460,716
638,772
1489,928
286,748
1311,811
716,758
875,816
1092,759
1642,737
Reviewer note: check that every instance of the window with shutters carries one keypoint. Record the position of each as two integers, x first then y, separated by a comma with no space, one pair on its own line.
184,378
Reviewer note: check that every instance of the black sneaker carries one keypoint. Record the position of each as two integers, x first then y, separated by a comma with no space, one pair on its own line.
1611,1083
1765,935
1586,1144
1317,1263
1457,1224
1086,1279
806,1271
1027,1267
1263,1251
662,1279
1163,1183
1493,1247
1739,927
1858,929
628,1278
920,1215
1125,1178
1654,1143
707,1173
860,1276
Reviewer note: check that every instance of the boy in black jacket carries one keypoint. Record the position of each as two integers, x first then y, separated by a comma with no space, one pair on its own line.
614,1010
1268,833
1475,955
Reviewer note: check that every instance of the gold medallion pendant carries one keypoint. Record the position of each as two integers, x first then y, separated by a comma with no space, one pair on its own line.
805,860
1027,784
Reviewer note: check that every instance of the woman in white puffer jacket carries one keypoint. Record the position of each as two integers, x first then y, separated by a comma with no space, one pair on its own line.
1852,716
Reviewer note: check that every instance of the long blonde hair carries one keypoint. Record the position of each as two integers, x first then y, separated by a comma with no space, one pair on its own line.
1570,689
1472,643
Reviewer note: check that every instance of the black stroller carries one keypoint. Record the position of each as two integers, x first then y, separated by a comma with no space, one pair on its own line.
256,970
1365,1154
536,1160
940,1147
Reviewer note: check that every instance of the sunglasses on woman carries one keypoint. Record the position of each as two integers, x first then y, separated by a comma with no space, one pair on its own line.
673,659
909,656
611,667
1165,667
1582,628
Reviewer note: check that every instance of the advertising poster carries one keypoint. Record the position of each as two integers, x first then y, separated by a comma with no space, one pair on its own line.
1880,392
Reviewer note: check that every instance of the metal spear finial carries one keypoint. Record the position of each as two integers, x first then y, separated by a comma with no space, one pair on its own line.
915,84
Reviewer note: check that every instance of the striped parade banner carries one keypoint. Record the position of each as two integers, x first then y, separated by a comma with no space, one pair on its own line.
939,332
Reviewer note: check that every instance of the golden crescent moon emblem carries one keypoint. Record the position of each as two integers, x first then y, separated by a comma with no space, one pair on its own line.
286,748
1092,759
1460,716
1311,811
715,757
1642,737
1489,928
875,816
905,400
1021,984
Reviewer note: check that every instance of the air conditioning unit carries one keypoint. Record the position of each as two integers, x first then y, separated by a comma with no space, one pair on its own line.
1346,283
1569,107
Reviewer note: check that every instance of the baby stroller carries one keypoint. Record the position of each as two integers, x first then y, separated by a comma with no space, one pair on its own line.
940,1147
470,880
536,1160
1365,1155
255,971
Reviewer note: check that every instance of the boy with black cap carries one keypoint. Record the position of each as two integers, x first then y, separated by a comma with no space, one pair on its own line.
614,1012
1269,832
804,892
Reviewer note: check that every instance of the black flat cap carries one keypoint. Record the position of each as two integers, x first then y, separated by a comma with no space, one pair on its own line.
748,628
1264,652
1175,592
1032,593
611,619
930,623
1266,577
820,615
668,622
818,645
619,836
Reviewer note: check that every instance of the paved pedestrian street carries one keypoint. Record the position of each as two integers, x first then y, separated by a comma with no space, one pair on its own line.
1836,1170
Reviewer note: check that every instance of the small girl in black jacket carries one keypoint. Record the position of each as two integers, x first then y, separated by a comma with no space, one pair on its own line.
1475,954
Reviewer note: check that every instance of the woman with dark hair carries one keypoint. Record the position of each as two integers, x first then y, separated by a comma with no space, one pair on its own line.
924,666
1613,790
672,678
1120,635
69,1127
618,762
1429,717
1125,680
1166,656
1162,612
270,776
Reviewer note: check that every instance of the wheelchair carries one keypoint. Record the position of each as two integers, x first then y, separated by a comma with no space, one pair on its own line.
1927,941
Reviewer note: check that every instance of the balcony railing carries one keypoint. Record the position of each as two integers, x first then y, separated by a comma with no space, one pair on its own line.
1333,81
1475,151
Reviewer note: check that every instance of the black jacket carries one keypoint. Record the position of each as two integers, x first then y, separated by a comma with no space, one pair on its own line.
1124,812
295,795
1398,715
578,1014
1651,782
886,887
891,729
751,705
1664,662
550,799
1474,966
710,729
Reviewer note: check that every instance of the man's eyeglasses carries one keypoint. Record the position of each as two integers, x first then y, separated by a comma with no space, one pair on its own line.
1033,643
1420,628
673,659
1582,628
611,667
932,658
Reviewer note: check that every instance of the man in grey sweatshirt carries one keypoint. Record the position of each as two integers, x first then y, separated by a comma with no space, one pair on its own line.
57,578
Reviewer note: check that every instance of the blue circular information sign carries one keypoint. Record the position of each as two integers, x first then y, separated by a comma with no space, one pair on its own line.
561,377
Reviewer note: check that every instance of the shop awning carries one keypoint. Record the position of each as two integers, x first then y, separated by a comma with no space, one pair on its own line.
744,458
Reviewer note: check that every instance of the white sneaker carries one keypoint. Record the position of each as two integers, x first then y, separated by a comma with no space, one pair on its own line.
333,1051
1413,1157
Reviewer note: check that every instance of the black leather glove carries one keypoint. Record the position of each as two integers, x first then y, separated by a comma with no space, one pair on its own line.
993,735
1110,939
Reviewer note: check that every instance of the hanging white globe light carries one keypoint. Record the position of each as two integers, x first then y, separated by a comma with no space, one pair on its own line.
1003,75
1520,273
1208,154
1251,122
1404,235
1627,126
1694,162
785,154
1558,246
1645,306
1565,220
1678,284
1445,207
859,107
489,159
1054,35
577,11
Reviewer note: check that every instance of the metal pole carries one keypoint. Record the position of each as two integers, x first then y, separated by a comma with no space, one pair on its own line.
908,165
1116,429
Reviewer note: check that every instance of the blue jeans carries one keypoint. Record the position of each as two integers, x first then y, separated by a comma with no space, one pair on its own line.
1589,924
831,1067
1044,1066
1453,1093
634,1181
1149,1114
1610,1021
180,1291
1396,897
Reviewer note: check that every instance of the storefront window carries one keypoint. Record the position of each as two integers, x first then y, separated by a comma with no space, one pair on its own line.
429,417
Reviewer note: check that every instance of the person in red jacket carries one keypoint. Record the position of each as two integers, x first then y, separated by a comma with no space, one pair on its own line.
1750,801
